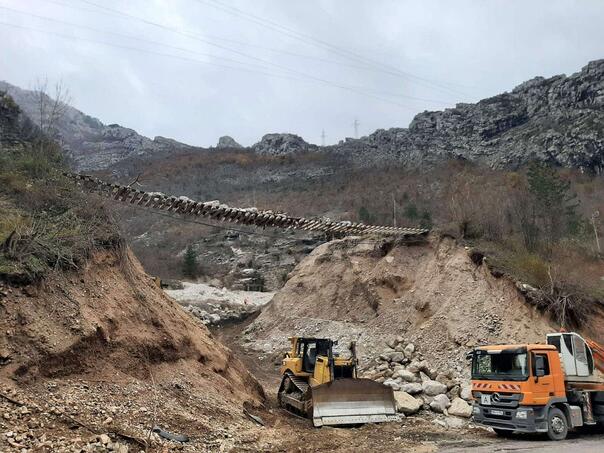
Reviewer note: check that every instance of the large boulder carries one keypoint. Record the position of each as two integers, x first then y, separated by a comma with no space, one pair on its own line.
406,403
460,408
412,388
433,388
406,375
440,403
455,423
392,383
397,357
409,349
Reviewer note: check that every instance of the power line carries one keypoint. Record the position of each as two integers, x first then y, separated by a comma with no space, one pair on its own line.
201,39
123,35
364,67
243,43
388,69
137,49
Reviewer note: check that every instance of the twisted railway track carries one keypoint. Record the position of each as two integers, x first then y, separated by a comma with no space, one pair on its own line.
244,216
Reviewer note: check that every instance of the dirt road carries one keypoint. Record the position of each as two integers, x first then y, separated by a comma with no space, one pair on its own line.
414,434
535,444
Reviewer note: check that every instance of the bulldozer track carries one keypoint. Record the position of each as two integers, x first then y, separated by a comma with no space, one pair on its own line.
300,383
244,216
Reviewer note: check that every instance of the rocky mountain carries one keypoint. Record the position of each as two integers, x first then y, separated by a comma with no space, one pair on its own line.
281,144
227,142
559,120
88,143
10,122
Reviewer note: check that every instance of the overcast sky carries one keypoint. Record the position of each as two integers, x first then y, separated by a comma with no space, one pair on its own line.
194,70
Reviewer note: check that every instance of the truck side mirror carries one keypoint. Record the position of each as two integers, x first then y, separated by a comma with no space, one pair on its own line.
539,366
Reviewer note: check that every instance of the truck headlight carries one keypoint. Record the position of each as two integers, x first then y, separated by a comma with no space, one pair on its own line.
476,410
522,414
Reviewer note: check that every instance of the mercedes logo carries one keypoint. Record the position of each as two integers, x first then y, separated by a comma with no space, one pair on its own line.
496,397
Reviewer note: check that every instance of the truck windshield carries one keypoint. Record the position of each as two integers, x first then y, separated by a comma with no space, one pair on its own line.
500,365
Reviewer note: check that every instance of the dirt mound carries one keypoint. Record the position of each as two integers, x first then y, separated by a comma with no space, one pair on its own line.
107,343
430,294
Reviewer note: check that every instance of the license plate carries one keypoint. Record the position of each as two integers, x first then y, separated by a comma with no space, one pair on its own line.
485,400
496,412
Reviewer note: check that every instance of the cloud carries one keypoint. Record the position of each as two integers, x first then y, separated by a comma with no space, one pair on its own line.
294,66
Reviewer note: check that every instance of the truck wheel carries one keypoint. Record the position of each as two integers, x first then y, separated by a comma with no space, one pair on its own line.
503,432
557,425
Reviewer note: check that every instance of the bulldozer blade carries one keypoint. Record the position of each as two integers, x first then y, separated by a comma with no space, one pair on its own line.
352,401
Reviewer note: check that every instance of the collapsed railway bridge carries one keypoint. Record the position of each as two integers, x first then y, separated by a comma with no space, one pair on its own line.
245,216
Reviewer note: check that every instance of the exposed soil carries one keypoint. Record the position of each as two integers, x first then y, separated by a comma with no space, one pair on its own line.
371,291
91,361
107,343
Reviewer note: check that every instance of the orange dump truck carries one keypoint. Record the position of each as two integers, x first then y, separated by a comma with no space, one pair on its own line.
550,388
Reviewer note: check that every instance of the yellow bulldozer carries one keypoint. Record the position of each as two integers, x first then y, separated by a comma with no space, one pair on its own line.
319,384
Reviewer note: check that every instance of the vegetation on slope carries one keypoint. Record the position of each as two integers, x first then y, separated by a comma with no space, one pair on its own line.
45,223
537,224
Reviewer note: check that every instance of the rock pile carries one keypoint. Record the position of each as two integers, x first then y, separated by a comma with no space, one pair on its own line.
419,386
216,305
216,313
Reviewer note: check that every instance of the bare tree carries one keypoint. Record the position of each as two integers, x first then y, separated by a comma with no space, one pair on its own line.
50,109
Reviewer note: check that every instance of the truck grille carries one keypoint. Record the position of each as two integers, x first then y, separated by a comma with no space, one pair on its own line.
511,400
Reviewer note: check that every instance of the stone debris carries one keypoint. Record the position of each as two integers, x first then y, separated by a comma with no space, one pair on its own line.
460,408
440,403
418,386
433,388
215,306
76,417
406,403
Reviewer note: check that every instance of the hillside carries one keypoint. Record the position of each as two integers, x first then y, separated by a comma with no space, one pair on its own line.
373,291
89,345
87,142
440,298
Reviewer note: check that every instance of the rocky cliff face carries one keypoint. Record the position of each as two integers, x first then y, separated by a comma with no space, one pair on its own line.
88,143
559,120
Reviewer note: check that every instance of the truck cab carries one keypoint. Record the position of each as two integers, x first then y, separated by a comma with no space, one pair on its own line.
525,388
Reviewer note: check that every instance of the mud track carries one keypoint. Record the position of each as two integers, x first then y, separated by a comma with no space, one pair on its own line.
292,433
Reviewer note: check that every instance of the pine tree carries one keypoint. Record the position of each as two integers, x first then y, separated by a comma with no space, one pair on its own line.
555,203
365,216
189,265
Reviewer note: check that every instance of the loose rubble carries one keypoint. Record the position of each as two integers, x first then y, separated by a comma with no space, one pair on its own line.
216,306
419,387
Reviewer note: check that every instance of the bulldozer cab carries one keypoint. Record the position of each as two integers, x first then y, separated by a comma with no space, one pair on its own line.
312,348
